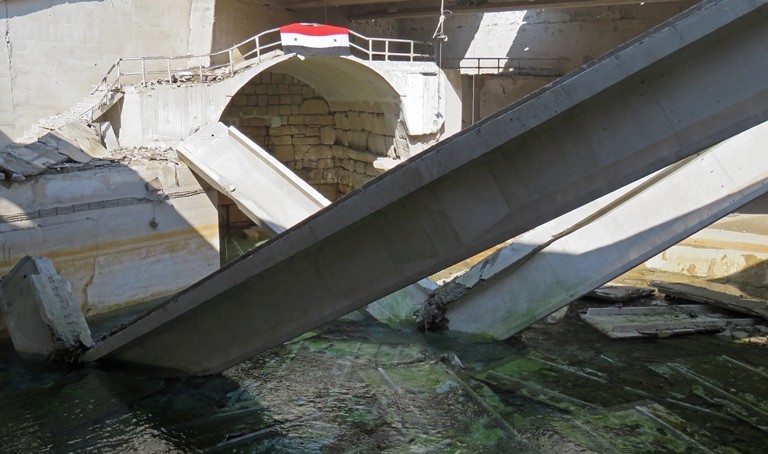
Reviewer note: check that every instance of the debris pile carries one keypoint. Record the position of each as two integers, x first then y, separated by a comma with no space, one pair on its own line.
74,145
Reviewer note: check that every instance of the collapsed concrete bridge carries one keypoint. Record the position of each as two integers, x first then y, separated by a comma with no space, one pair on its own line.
680,88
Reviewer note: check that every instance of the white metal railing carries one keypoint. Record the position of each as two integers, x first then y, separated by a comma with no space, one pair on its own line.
528,66
388,49
224,63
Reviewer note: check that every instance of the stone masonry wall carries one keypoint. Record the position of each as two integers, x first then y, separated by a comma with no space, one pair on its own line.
333,150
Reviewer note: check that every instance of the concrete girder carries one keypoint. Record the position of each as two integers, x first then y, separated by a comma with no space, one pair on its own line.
544,270
675,90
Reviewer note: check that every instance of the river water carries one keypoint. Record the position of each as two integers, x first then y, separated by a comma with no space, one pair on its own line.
356,386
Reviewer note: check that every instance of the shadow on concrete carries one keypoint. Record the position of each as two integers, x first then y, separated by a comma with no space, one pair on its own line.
121,232
16,9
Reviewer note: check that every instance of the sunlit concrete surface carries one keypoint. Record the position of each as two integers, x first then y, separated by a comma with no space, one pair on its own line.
630,113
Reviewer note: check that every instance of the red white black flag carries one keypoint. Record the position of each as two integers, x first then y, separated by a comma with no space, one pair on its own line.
314,39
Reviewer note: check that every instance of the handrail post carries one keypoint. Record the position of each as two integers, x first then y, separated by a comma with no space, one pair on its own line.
258,47
200,67
168,67
386,50
412,49
143,72
370,49
231,63
119,73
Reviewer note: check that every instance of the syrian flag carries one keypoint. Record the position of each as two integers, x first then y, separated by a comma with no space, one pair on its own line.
314,39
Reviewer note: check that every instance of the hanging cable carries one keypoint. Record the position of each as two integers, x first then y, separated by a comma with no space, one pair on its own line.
439,31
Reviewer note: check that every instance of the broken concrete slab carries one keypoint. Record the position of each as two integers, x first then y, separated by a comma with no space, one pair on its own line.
85,138
721,295
636,322
262,187
619,293
42,315
37,153
548,267
68,147
18,166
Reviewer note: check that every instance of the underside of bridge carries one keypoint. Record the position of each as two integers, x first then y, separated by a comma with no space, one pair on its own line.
327,120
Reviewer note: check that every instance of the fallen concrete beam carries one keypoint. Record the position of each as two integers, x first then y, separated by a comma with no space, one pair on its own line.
42,315
272,196
535,277
262,187
680,88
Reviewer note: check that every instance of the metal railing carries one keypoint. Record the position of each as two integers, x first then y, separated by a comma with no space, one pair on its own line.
533,66
224,63
389,49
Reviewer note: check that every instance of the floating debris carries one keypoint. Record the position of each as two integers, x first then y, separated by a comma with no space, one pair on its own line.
635,322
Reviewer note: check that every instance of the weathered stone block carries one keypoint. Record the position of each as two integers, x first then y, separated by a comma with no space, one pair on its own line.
285,110
260,89
296,89
341,138
297,99
249,89
307,140
283,153
280,140
358,139
319,120
315,106
285,100
274,100
296,120
308,92
271,89
273,110
325,164
319,152
280,131
276,78
328,135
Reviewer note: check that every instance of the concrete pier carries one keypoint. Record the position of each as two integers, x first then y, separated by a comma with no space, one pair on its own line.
674,91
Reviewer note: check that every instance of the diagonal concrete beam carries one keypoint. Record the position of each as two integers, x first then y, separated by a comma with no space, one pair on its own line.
261,186
677,89
534,277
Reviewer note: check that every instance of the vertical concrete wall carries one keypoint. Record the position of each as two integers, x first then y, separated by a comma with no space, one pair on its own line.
238,20
565,38
115,240
55,51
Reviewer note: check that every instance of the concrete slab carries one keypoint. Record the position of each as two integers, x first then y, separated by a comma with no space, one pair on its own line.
265,190
637,322
42,315
520,289
634,111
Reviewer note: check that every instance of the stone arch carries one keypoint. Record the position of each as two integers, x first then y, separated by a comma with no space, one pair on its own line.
332,120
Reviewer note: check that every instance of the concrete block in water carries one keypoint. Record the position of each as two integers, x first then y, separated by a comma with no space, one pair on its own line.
43,317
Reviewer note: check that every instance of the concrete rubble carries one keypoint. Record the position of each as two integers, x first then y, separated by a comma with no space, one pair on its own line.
663,321
74,142
41,314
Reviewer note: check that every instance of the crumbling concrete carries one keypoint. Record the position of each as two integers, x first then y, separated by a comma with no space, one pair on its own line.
633,112
43,317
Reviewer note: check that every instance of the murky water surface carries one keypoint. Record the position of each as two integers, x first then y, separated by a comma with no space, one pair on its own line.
356,386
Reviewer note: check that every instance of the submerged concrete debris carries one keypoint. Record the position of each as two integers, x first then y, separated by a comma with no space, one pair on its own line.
42,315
663,321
